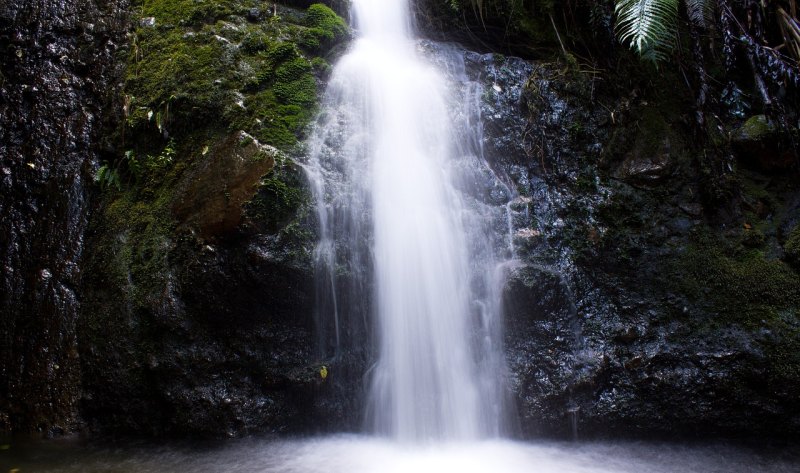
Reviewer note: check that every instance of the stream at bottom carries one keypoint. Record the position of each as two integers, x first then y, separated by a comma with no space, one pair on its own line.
358,454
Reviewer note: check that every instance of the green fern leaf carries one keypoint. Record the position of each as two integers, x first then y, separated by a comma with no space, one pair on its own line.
648,26
701,12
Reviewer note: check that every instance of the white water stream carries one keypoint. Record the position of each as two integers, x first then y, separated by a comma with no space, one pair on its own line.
385,171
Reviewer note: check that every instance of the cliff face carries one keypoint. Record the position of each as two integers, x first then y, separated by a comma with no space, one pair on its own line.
655,289
57,62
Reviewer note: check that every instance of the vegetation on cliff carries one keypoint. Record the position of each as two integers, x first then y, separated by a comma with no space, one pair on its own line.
196,302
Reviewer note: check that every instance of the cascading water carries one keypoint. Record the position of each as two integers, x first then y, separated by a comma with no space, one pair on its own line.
387,170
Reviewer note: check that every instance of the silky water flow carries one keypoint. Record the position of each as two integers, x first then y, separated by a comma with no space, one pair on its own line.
399,223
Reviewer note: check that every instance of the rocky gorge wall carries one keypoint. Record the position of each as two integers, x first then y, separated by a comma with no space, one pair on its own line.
642,303
655,288
57,61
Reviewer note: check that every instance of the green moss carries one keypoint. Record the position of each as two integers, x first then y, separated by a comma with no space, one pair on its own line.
756,128
187,75
175,80
188,83
185,12
280,196
792,244
323,29
784,355
281,52
326,23
139,253
255,42
740,285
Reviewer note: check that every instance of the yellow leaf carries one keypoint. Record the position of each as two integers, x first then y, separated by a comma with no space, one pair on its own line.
323,372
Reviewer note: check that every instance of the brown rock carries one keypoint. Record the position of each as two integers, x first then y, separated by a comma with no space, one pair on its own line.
211,196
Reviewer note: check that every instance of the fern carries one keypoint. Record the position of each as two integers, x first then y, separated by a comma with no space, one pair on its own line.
648,26
701,12
108,177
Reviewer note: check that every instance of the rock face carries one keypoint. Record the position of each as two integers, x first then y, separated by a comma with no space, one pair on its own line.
639,302
57,65
198,320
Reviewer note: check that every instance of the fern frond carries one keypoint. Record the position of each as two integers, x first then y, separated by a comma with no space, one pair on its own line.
647,26
701,12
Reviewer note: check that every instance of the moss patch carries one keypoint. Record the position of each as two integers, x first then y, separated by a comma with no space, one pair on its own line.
203,68
280,196
186,12
196,75
325,28
741,285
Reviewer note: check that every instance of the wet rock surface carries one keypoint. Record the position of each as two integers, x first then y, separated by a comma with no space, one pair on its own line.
57,62
636,305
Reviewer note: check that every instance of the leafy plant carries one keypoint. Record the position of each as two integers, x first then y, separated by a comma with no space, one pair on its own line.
648,26
108,176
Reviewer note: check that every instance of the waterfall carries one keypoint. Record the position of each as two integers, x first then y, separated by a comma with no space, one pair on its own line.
401,243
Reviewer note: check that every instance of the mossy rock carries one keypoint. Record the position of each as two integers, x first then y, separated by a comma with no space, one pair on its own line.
760,143
185,12
738,284
211,196
756,128
207,67
792,245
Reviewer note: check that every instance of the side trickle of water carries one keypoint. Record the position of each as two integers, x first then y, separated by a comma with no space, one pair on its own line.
404,242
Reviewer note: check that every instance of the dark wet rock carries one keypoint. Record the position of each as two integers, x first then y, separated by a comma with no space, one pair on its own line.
58,70
254,14
637,301
202,335
198,296
646,170
540,338
630,312
760,143
693,209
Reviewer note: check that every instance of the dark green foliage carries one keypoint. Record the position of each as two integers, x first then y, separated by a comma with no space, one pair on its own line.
701,12
792,245
108,177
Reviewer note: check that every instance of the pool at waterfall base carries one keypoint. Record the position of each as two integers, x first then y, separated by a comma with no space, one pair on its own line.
363,454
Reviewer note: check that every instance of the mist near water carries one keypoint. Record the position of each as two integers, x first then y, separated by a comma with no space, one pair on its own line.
356,454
